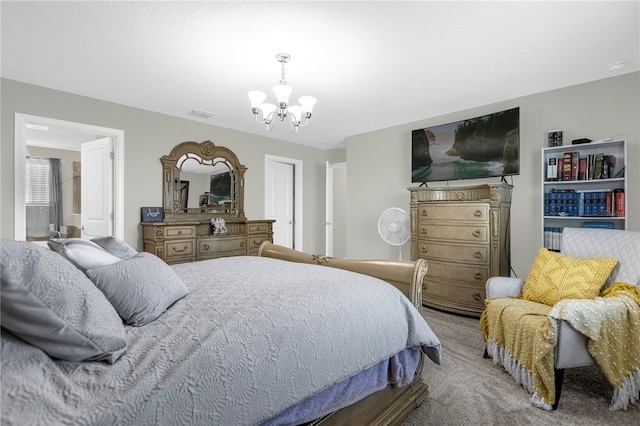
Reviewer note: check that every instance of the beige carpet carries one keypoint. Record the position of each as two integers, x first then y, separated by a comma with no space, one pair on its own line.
470,390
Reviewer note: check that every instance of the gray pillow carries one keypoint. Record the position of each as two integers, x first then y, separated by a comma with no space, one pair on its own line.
140,288
115,246
51,304
84,254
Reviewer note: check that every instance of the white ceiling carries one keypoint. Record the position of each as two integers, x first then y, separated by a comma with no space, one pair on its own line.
371,65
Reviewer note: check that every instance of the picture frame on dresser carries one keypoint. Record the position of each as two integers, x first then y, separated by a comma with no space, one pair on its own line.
151,214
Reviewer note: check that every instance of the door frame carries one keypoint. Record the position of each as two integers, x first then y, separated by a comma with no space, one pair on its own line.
297,194
20,165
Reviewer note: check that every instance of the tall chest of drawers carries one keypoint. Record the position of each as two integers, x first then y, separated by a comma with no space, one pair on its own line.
463,233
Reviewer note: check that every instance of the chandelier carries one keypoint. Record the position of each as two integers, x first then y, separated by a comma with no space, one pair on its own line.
298,115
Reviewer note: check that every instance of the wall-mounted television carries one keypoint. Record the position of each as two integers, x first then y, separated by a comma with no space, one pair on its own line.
481,147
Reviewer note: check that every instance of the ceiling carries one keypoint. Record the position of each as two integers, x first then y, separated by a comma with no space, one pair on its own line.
371,65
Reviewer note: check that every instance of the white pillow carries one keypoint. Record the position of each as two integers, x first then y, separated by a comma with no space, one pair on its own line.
84,254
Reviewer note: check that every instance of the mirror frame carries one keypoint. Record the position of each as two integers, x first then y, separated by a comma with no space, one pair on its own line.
206,150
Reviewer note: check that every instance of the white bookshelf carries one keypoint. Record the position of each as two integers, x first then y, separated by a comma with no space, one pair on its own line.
555,221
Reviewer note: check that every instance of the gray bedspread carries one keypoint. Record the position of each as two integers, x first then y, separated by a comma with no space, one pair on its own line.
253,337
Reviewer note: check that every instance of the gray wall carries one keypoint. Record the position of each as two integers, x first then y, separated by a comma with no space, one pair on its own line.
380,162
150,135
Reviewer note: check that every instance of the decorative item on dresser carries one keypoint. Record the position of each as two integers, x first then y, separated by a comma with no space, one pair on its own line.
463,232
186,234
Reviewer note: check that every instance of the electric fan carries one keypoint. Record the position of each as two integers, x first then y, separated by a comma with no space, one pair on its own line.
394,227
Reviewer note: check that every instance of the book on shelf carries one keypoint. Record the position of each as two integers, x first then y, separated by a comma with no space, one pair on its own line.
552,168
582,169
597,224
584,203
619,202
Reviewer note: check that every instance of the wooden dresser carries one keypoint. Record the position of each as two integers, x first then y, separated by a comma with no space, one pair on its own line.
192,239
463,233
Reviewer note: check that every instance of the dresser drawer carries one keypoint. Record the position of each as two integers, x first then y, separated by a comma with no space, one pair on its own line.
470,233
453,212
187,231
178,248
257,228
255,241
449,271
463,253
454,296
221,246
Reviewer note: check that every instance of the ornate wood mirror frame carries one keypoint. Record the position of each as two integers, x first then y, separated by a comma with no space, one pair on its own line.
211,164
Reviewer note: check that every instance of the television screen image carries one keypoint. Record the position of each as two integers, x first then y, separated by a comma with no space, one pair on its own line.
481,147
220,188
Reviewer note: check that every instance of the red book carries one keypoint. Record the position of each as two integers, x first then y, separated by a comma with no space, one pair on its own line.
619,195
608,203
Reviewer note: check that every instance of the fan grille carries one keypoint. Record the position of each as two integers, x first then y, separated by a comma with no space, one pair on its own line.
394,226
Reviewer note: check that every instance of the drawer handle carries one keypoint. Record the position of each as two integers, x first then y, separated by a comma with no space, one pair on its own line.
179,232
180,251
257,242
476,233
424,213
423,231
477,255
477,296
205,247
241,243
477,275
423,249
477,213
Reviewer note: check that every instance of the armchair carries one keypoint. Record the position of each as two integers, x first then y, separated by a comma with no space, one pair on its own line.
570,345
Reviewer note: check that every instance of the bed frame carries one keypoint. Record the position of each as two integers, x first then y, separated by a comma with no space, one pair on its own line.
391,405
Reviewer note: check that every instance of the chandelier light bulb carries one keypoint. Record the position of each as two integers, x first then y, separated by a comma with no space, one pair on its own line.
265,113
257,98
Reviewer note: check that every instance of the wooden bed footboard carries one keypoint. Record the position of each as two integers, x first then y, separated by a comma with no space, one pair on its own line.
405,275
389,406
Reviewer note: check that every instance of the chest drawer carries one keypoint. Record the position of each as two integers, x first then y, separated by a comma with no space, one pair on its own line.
178,248
469,233
463,253
453,212
221,246
449,272
187,231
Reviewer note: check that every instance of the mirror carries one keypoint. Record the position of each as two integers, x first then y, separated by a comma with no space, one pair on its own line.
202,178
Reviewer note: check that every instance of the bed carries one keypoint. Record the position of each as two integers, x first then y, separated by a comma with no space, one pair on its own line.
279,338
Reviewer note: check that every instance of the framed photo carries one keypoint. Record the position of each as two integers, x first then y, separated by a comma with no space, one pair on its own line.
151,214
554,138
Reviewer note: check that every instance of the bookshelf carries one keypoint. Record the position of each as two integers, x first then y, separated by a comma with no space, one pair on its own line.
585,189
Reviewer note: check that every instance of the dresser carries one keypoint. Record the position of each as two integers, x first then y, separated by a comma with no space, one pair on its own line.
191,240
463,233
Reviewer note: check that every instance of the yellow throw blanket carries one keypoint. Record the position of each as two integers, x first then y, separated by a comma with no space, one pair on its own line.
612,323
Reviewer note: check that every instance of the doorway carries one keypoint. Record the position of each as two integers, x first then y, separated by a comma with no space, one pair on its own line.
45,132
283,200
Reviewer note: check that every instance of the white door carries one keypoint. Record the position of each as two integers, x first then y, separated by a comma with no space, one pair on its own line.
335,215
97,188
279,199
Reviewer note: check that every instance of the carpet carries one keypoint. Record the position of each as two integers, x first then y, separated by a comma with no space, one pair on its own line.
469,389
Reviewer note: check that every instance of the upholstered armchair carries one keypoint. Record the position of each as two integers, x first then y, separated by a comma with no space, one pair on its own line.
570,348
